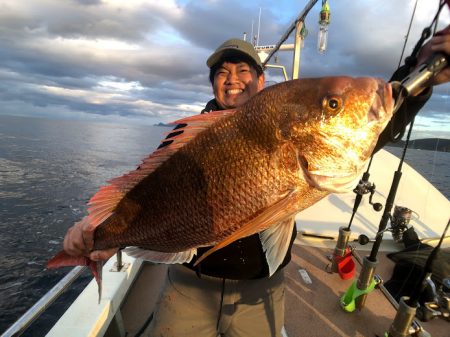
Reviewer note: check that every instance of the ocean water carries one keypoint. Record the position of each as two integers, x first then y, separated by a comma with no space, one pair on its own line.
433,165
48,171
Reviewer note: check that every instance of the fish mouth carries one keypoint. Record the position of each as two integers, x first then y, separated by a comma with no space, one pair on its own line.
331,182
308,176
336,184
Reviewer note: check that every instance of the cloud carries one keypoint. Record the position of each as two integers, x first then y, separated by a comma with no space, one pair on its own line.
146,59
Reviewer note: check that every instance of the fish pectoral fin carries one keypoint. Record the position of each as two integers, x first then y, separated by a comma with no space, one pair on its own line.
161,257
285,207
275,242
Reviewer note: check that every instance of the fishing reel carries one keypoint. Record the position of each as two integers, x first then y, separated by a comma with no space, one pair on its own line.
399,222
365,187
439,306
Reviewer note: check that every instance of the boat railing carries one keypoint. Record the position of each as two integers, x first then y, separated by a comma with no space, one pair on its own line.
39,307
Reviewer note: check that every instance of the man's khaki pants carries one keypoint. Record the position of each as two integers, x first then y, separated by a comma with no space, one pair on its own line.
209,306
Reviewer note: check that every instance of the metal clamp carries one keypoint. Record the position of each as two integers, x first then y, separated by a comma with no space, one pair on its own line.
419,78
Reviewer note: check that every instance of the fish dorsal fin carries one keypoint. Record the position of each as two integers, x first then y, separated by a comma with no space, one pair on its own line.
275,241
205,119
277,212
104,202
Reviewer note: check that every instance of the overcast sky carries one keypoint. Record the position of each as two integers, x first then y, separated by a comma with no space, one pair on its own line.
144,61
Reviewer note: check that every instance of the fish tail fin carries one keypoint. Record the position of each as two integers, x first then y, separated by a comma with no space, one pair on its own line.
62,259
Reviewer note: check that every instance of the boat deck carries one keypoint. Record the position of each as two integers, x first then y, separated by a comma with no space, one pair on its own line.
314,309
311,309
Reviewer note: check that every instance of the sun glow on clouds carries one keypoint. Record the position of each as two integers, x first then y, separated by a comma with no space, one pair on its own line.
85,95
109,44
118,96
91,45
119,85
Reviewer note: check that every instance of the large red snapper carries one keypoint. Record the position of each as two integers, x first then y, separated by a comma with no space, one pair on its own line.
230,174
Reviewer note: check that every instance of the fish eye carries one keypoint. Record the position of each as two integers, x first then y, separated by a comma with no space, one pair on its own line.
332,104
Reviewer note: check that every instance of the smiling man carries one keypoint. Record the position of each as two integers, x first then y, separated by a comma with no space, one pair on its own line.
236,74
230,293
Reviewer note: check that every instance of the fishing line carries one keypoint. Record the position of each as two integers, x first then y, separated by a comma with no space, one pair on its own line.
411,60
407,34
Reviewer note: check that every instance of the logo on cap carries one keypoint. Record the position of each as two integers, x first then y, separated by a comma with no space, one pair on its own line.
231,46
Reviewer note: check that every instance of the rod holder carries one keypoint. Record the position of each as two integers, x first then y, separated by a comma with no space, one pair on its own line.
355,296
342,243
403,319
365,280
341,248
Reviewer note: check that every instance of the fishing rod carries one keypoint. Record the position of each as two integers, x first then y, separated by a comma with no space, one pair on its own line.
356,295
342,253
411,85
408,306
363,187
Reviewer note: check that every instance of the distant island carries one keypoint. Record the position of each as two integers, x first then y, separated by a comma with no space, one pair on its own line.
163,124
432,144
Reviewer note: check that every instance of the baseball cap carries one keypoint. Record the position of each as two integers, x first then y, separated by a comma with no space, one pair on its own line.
232,46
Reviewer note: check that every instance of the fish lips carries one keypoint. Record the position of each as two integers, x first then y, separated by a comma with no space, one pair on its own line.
329,183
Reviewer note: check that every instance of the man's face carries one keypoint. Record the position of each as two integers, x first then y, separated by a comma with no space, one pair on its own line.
235,83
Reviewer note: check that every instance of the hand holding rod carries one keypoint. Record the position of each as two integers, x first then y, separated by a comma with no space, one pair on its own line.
419,79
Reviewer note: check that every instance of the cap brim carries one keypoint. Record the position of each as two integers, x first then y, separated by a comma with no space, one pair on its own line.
214,58
217,56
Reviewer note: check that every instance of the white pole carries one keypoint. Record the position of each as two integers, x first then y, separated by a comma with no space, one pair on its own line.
297,50
259,26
